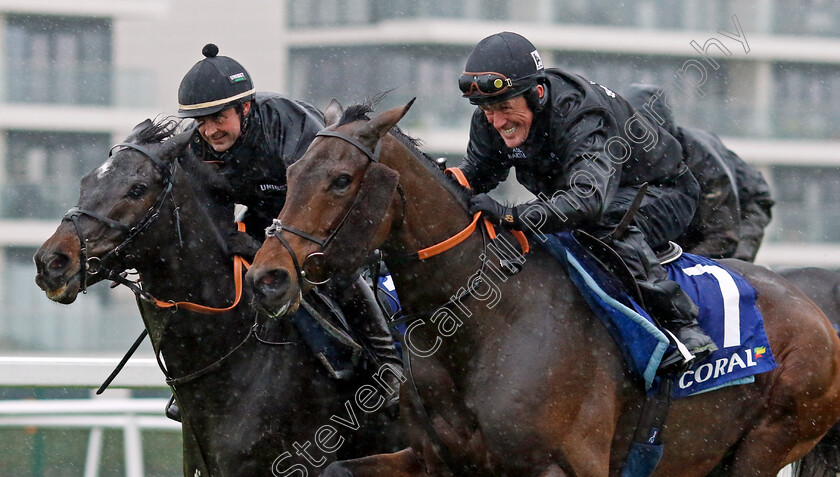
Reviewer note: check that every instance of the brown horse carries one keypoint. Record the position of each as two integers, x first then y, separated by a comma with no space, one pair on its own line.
822,286
515,376
254,398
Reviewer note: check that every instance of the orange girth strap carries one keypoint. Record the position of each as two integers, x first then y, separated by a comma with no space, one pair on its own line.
462,235
238,263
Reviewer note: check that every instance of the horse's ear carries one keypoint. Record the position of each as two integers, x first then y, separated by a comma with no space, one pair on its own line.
333,113
174,146
378,127
135,133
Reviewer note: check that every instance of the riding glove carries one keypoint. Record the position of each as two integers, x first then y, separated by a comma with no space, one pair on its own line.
495,212
242,244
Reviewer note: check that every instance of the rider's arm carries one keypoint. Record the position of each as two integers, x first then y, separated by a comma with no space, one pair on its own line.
589,179
718,216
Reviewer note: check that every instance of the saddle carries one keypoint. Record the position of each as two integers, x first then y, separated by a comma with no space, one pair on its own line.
611,261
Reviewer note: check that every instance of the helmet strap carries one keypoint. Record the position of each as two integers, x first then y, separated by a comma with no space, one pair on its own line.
244,124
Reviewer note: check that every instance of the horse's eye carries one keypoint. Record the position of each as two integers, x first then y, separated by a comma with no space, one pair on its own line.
137,191
342,182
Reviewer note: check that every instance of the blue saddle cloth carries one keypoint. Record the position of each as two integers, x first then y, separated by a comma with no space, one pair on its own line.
322,328
388,297
727,312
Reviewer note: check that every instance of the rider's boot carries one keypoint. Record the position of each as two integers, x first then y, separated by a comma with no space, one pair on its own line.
368,323
172,411
678,314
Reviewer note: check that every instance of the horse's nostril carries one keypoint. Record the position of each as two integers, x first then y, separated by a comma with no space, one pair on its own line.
58,263
267,279
273,281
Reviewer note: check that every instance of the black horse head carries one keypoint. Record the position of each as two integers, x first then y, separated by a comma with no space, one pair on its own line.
132,193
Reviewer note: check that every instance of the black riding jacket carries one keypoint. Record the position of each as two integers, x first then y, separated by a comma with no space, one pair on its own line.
278,131
735,202
713,231
565,151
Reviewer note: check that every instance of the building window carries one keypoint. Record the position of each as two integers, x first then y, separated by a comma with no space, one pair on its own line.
429,73
812,17
800,213
43,170
711,108
807,101
58,60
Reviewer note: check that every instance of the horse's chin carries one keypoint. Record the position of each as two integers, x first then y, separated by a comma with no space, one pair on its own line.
280,308
66,293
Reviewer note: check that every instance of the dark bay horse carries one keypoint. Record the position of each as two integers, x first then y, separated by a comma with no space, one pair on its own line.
254,399
515,375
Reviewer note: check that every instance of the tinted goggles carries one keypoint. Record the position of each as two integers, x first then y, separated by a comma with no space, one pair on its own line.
487,83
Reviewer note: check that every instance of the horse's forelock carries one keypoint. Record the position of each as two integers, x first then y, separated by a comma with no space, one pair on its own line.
356,112
165,128
204,176
160,130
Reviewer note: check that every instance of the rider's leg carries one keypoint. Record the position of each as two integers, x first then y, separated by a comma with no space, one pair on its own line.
366,319
664,214
663,297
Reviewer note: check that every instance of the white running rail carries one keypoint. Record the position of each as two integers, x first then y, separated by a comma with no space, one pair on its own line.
129,415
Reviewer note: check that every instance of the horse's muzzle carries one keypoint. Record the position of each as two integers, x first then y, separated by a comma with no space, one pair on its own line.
272,291
57,276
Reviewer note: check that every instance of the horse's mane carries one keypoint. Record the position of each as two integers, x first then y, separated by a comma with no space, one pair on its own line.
203,175
361,112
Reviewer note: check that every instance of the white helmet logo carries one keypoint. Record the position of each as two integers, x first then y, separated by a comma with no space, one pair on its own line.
537,60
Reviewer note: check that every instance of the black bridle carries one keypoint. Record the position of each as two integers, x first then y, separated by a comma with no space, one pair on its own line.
92,266
276,228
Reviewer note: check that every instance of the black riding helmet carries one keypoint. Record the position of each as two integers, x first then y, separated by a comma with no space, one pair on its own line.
500,67
213,84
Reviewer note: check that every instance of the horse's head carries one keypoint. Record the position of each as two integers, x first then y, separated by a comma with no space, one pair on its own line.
340,205
118,201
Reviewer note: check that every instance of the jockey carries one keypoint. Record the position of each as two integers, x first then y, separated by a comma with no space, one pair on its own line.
735,202
253,136
576,145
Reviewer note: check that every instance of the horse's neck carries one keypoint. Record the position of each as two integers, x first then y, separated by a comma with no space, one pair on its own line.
186,261
198,272
434,214
181,259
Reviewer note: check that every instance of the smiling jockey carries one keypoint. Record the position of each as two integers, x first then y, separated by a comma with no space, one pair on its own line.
252,137
579,148
735,202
